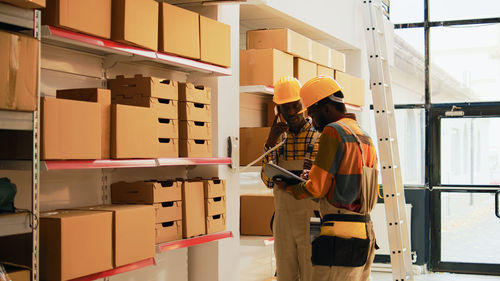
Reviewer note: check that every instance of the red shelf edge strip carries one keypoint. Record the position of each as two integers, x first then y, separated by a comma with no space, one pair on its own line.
118,270
194,241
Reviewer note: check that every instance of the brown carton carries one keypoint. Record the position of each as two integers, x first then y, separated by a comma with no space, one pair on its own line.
75,243
70,129
189,111
193,209
133,232
168,211
168,231
135,22
304,70
352,87
145,192
321,54
30,4
252,141
179,32
168,148
168,128
75,15
283,39
165,108
216,223
139,85
195,148
256,212
326,71
17,272
102,97
19,72
133,132
195,130
214,188
192,93
215,206
215,45
264,67
338,60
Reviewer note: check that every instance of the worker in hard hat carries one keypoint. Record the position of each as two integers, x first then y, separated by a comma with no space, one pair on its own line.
299,147
344,178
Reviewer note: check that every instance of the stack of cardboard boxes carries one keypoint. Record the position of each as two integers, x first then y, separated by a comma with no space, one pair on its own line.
215,205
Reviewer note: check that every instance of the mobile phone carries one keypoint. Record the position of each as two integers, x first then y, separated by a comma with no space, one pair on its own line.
279,114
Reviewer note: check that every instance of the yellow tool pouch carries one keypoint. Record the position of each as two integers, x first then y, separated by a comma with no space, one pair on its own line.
344,229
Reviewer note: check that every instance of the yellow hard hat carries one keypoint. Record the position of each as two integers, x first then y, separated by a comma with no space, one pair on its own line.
317,89
286,89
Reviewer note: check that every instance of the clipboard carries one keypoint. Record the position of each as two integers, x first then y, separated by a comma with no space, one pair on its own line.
276,172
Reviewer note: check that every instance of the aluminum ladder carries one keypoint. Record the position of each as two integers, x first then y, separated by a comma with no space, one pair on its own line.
383,108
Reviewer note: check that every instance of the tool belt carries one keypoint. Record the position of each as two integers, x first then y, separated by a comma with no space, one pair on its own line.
343,241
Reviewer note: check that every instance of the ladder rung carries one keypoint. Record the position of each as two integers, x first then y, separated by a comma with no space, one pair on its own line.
380,32
386,85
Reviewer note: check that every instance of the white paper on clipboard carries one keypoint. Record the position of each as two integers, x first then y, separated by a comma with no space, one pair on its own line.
273,171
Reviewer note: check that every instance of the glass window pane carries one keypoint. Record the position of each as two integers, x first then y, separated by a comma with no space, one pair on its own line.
443,10
469,228
407,11
470,151
465,63
407,71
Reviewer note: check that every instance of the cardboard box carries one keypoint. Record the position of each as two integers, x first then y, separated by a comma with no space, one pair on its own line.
17,273
325,71
304,70
321,54
165,108
145,192
192,93
75,243
70,129
135,22
264,67
168,231
193,209
189,111
168,128
214,188
216,223
283,39
215,206
168,148
133,232
139,85
133,132
30,4
76,15
179,31
215,45
195,130
256,212
168,211
19,72
338,60
252,141
195,148
353,88
102,97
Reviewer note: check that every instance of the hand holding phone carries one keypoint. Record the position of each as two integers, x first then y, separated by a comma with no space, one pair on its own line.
277,129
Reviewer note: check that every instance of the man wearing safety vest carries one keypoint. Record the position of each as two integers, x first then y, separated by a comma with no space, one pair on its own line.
344,178
298,148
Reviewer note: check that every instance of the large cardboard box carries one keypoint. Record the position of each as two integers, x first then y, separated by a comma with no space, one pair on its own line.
75,243
195,148
189,111
338,60
216,223
195,130
168,148
30,4
133,232
283,39
168,211
256,212
70,129
145,192
19,72
215,45
304,70
321,54
88,16
102,97
135,22
193,209
139,85
352,87
325,71
252,141
168,231
133,132
264,67
18,273
179,32
215,206
192,93
168,128
214,188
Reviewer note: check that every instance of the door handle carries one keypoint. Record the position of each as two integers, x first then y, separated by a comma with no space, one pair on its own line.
497,204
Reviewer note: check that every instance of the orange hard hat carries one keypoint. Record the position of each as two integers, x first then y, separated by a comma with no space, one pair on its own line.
317,89
286,89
